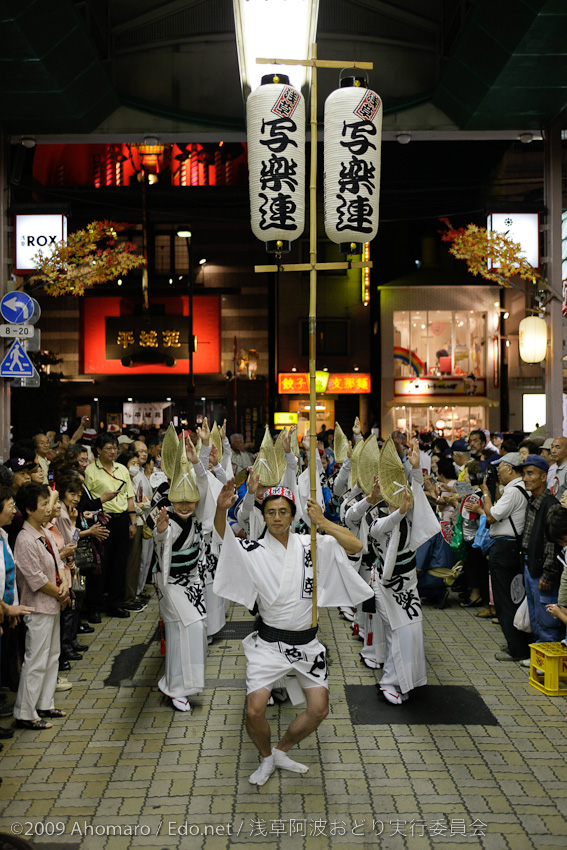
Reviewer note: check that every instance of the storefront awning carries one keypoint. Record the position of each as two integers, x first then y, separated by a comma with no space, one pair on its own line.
443,401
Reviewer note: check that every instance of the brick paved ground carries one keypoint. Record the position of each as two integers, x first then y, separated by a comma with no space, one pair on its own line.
123,759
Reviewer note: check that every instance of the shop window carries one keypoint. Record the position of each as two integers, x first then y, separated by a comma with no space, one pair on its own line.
332,338
439,342
162,249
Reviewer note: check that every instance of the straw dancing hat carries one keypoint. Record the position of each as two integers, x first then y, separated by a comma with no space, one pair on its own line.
354,463
280,456
340,444
392,475
169,451
266,463
183,483
368,464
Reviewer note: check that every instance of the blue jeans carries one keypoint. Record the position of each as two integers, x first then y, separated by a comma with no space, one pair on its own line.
545,628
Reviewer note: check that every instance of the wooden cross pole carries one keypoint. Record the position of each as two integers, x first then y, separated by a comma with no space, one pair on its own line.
313,267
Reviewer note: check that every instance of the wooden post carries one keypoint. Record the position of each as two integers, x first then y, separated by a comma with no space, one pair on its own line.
313,323
313,266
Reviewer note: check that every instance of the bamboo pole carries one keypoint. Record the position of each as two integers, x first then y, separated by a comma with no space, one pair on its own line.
313,322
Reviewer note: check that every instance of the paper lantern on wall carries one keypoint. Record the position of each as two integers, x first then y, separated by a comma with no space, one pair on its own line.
533,339
275,115
353,129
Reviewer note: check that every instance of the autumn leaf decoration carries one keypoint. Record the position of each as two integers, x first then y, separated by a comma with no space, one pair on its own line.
493,256
90,256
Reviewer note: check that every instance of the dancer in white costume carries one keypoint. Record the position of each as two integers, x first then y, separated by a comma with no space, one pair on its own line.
179,580
276,574
397,536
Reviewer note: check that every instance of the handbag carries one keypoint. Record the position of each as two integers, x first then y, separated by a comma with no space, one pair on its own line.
482,539
84,556
147,532
457,543
522,617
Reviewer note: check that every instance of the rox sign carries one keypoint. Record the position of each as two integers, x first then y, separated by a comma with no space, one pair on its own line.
35,233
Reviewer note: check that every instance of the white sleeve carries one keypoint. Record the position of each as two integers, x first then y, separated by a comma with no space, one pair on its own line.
233,579
353,516
226,456
340,485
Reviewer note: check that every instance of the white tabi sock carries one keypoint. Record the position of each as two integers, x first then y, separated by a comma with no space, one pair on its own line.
261,776
283,762
391,696
181,704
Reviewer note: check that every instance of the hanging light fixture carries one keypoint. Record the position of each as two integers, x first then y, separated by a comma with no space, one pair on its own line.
353,128
533,339
275,118
279,29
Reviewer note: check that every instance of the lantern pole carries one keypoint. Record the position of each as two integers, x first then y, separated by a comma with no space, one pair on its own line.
313,323
312,267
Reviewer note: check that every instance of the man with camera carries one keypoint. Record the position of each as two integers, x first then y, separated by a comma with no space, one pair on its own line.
506,520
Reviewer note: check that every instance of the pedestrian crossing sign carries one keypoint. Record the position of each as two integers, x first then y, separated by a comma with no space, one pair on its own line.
16,363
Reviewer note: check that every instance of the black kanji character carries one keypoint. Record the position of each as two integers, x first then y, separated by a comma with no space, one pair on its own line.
320,663
278,140
277,171
356,216
355,174
281,211
359,136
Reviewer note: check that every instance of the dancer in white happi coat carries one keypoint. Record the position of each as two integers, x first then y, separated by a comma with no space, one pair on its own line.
276,574
397,536
178,536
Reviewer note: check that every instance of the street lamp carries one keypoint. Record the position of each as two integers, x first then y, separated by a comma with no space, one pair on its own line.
186,234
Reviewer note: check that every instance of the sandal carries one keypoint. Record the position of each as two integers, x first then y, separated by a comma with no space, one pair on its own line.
476,603
35,725
52,712
485,613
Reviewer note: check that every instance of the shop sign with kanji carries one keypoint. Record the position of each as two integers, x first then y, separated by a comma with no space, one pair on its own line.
297,383
130,335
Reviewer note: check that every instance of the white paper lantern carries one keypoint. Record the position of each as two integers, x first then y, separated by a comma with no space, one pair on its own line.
353,130
275,115
533,339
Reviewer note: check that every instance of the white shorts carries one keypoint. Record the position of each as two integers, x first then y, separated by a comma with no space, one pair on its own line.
267,662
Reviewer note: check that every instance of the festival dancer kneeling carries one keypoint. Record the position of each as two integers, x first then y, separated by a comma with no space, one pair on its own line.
275,573
178,536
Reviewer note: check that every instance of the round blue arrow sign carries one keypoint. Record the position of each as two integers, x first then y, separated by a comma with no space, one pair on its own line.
16,307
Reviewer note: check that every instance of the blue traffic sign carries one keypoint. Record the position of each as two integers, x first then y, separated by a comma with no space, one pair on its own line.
16,363
17,307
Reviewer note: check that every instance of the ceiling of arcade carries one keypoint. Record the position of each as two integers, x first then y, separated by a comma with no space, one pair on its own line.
130,67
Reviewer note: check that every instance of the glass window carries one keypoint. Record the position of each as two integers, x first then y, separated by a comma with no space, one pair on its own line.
438,342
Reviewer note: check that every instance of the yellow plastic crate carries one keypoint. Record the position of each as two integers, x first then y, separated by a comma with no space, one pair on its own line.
551,660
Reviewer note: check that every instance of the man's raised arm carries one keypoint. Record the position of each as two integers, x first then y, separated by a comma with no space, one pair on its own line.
226,499
346,538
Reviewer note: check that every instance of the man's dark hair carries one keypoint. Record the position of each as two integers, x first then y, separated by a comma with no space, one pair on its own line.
103,440
5,494
508,446
480,433
25,449
271,499
446,467
556,525
28,496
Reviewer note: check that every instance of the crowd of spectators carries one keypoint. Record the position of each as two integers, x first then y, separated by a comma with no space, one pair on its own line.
76,547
